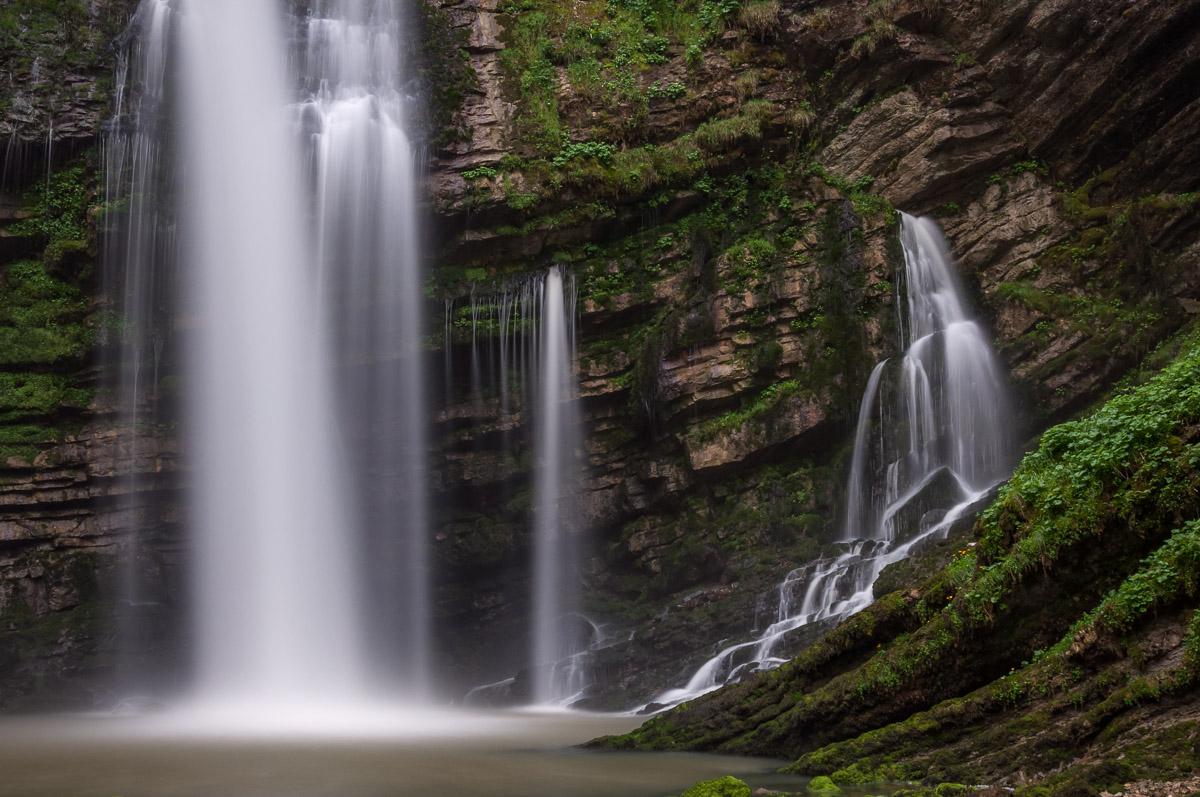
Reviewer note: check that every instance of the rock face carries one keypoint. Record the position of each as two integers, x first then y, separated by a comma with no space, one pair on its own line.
1079,247
1055,653
722,191
65,521
56,75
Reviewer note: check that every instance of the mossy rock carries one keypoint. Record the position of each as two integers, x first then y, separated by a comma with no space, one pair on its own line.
952,789
727,786
823,786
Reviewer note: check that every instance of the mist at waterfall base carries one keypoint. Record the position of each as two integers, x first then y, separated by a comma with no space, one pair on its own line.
934,438
436,753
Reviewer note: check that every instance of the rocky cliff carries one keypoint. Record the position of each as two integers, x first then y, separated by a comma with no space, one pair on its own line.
721,175
720,178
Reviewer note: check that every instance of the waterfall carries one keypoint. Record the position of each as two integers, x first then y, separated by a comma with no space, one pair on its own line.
282,147
919,465
278,615
363,171
558,673
139,236
522,345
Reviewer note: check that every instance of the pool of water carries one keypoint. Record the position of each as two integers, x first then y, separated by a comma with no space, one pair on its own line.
304,753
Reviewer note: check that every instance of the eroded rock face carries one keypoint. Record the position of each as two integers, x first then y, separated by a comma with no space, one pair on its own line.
734,294
57,69
67,521
1036,131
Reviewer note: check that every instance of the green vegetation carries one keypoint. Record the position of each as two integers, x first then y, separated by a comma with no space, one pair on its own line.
445,71
866,204
1016,170
612,57
727,786
44,332
60,208
1094,541
757,409
606,51
480,173
30,394
41,318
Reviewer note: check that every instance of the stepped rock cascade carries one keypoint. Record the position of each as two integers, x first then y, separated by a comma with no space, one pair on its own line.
363,170
278,611
934,438
140,235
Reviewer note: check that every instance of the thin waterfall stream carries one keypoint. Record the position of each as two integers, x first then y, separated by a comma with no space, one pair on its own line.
137,179
531,363
559,642
934,437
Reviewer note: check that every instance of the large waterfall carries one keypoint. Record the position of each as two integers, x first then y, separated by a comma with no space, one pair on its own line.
934,437
298,296
277,603
363,177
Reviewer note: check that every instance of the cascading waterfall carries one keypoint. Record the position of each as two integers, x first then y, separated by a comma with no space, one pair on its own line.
919,465
278,616
364,170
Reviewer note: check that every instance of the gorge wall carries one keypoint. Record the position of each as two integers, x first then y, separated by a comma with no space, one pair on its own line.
720,177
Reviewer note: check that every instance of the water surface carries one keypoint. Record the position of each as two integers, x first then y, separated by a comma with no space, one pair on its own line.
377,754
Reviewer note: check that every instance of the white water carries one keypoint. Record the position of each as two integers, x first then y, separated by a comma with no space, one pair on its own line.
364,171
558,671
300,291
920,464
140,235
277,612
530,361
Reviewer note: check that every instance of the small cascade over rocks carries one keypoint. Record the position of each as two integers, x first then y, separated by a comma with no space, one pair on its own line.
935,436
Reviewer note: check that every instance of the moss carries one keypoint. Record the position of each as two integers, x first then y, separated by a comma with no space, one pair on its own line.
42,318
24,395
45,334
727,786
24,441
823,786
758,408
1055,538
446,72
